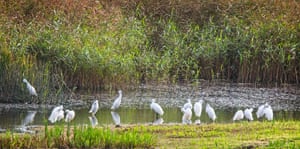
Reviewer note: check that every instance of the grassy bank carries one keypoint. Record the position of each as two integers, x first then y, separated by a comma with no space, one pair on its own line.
64,46
234,135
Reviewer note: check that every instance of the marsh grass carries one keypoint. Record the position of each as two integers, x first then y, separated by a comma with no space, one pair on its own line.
62,47
80,137
277,134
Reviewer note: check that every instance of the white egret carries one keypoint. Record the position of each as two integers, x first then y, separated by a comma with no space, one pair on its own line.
56,114
158,121
188,105
268,112
94,107
60,115
239,115
198,108
94,121
29,118
117,102
248,114
210,112
116,118
30,88
70,115
260,110
156,108
187,116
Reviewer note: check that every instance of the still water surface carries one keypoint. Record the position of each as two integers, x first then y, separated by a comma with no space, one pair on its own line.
12,118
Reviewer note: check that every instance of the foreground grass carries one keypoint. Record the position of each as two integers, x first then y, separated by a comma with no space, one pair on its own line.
235,135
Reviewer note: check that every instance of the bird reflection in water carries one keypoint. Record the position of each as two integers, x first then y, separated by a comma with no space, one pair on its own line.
158,121
29,118
94,121
116,118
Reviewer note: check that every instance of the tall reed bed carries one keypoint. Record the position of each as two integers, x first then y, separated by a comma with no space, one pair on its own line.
64,46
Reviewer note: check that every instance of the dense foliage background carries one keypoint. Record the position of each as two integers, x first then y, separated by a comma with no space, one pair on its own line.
60,46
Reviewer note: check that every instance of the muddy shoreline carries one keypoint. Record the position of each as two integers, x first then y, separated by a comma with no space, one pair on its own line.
219,95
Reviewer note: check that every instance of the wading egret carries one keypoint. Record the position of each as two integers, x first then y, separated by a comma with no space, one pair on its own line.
248,114
188,105
30,88
56,114
210,112
117,102
29,118
239,115
198,108
156,108
116,118
70,115
187,116
268,112
94,107
260,110
94,121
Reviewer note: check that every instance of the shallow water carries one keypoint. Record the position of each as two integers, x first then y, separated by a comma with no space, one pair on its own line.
225,98
13,118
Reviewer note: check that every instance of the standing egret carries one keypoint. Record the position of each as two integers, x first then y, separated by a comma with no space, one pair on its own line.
30,88
260,110
116,118
210,112
70,115
117,102
248,114
94,107
56,114
268,112
188,104
239,115
94,121
29,118
187,116
156,108
198,108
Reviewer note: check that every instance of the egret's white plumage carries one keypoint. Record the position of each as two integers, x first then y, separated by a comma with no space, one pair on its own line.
268,112
30,88
239,115
248,114
188,104
70,115
187,116
94,121
117,102
198,108
156,107
210,112
94,107
116,118
56,114
29,118
260,111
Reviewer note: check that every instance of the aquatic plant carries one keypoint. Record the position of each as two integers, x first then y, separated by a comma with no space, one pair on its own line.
66,46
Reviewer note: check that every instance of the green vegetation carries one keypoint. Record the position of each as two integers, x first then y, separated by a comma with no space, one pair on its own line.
61,46
79,137
275,134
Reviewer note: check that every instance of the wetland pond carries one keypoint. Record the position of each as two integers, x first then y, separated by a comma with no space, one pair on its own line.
135,106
